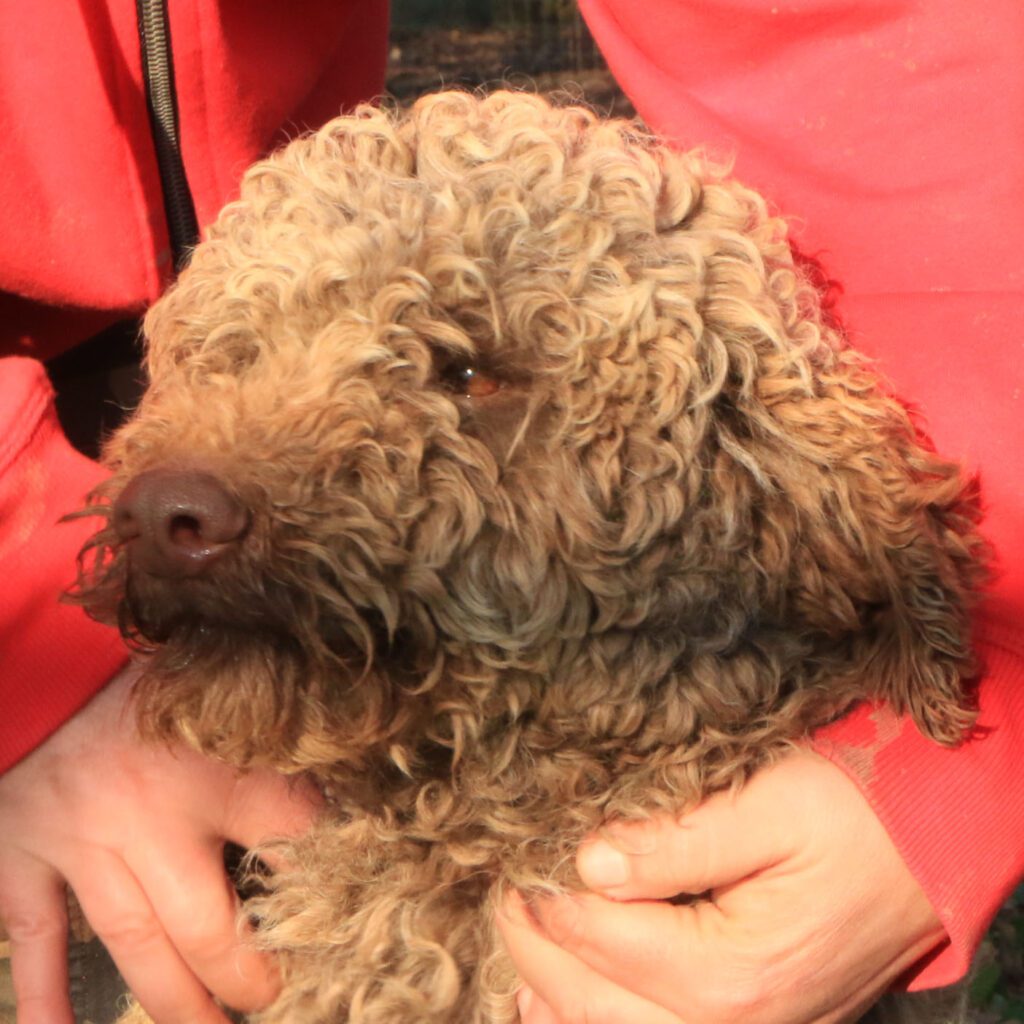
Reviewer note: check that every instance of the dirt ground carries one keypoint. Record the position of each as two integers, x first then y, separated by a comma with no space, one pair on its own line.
998,988
446,58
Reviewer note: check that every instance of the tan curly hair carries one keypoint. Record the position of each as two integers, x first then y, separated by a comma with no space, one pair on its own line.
566,500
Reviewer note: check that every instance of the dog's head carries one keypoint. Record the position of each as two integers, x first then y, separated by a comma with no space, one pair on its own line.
495,390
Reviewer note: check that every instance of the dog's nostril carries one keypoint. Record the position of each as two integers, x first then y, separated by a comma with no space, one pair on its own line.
126,526
176,523
186,531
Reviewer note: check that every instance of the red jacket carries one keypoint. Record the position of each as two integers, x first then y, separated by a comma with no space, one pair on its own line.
894,131
52,658
81,208
892,128
85,243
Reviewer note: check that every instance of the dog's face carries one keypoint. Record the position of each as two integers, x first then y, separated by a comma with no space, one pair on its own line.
495,385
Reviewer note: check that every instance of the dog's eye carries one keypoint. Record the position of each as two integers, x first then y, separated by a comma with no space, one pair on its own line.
467,380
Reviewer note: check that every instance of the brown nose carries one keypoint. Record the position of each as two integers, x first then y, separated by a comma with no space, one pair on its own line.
175,523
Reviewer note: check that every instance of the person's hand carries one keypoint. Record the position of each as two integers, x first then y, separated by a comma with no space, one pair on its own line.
137,831
811,914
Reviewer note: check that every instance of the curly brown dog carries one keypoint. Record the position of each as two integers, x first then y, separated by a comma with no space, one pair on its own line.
500,468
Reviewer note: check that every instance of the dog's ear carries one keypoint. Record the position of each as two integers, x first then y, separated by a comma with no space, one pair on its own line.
894,541
924,544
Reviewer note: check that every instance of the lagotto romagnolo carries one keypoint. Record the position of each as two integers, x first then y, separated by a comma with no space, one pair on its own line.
500,468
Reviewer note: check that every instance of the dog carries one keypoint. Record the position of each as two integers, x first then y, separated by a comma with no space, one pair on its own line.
502,468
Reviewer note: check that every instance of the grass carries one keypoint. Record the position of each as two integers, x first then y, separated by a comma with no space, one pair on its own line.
997,992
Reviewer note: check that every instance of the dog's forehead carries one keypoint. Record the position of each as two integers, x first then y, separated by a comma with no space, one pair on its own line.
541,246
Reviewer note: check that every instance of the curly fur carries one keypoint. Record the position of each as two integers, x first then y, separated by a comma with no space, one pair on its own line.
689,526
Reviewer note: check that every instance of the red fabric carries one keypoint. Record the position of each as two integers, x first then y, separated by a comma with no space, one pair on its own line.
893,130
967,847
81,211
52,657
84,243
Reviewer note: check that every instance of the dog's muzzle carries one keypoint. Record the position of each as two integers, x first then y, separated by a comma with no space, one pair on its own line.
176,523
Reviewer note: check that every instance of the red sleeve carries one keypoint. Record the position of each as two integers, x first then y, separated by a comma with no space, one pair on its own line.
894,132
52,657
81,205
957,816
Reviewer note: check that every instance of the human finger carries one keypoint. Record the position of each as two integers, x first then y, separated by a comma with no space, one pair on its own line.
668,955
33,908
196,904
561,988
532,1009
729,837
120,913
264,805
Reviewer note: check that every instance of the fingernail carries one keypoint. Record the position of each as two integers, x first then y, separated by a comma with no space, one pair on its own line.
524,1000
601,866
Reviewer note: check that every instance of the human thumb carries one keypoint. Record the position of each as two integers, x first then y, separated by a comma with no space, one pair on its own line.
729,837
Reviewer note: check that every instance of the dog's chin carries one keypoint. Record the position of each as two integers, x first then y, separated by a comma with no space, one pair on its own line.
174,632
190,624
187,617
167,630
152,613
210,650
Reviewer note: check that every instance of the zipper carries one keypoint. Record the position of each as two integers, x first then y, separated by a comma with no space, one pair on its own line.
161,99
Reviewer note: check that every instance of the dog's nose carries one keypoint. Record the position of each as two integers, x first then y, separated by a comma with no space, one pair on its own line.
175,523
